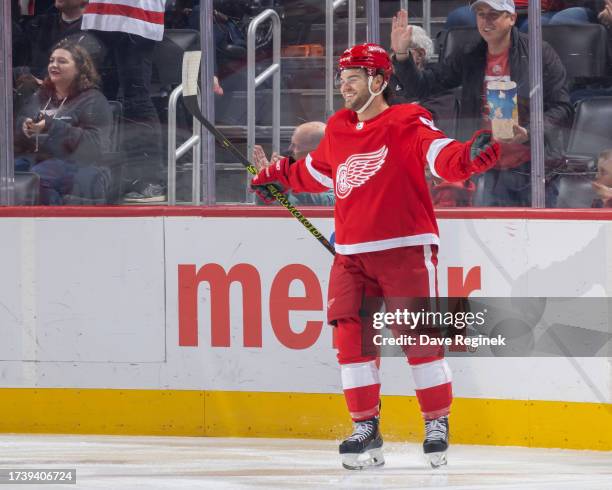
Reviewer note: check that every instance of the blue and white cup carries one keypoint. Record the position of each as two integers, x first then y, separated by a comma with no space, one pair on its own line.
503,111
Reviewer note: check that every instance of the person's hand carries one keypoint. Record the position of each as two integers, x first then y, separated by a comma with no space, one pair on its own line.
401,35
259,158
605,16
30,128
276,174
217,88
603,191
482,152
25,127
521,135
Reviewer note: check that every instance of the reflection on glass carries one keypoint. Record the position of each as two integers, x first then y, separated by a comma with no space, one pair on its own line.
445,70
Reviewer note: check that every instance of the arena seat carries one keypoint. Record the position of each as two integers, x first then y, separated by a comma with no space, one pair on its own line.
27,189
592,128
114,158
457,40
591,133
575,190
168,57
581,47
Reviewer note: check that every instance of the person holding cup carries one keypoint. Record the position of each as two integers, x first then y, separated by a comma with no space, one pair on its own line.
502,55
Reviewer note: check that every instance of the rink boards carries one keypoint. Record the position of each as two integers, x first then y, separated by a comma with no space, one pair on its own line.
212,322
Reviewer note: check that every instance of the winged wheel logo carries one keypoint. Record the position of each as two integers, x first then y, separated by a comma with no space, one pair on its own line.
357,170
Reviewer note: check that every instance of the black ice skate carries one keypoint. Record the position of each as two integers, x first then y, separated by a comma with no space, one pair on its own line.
436,441
363,448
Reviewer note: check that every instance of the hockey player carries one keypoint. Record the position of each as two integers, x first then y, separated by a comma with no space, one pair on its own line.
373,155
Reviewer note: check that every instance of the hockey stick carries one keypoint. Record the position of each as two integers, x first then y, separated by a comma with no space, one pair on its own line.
191,69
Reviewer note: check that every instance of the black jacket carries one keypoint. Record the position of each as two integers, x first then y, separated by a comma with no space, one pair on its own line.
79,132
467,69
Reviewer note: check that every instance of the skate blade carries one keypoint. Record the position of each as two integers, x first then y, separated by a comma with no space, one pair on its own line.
437,459
365,460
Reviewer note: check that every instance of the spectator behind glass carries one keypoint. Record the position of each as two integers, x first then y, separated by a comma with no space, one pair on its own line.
502,54
46,30
603,182
306,137
19,40
130,34
553,12
40,34
441,105
442,108
64,129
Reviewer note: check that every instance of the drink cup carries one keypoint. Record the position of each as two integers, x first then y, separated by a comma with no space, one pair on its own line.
503,111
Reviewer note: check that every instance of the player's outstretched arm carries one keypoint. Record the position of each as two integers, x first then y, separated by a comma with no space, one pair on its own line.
306,175
458,161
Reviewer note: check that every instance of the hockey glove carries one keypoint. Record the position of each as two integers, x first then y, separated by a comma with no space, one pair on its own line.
482,152
276,174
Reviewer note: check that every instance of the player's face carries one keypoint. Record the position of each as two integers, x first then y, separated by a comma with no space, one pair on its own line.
354,88
493,25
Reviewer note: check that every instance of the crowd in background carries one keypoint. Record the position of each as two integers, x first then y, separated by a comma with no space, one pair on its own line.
81,68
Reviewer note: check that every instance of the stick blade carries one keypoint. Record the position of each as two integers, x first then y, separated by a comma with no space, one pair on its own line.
191,70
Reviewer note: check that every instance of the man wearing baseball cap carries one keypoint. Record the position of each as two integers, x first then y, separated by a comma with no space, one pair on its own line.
499,5
501,55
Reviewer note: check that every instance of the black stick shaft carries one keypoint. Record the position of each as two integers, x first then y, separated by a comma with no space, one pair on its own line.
191,103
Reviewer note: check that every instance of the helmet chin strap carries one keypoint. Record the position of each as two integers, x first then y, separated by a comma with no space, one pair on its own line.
372,94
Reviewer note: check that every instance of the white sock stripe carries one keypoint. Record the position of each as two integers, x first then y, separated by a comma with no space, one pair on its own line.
431,374
365,413
359,374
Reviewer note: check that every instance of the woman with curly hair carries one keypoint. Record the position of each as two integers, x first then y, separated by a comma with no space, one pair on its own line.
64,127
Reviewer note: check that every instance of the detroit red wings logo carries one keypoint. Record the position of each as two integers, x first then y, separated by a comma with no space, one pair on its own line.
357,170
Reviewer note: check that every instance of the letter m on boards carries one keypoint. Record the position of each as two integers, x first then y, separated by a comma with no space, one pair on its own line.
219,282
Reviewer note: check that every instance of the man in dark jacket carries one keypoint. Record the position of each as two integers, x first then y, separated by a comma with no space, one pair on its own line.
501,55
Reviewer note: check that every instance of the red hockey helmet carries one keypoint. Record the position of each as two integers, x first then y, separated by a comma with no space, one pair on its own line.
370,56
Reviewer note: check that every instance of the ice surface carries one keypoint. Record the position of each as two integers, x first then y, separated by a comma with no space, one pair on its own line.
118,462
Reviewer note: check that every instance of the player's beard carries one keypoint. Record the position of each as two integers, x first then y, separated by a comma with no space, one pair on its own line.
357,102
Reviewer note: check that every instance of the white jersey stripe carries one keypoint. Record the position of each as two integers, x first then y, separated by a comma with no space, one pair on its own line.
153,5
431,374
318,176
359,374
435,148
376,246
115,23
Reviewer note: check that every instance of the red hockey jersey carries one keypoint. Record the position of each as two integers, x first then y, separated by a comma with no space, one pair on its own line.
376,168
